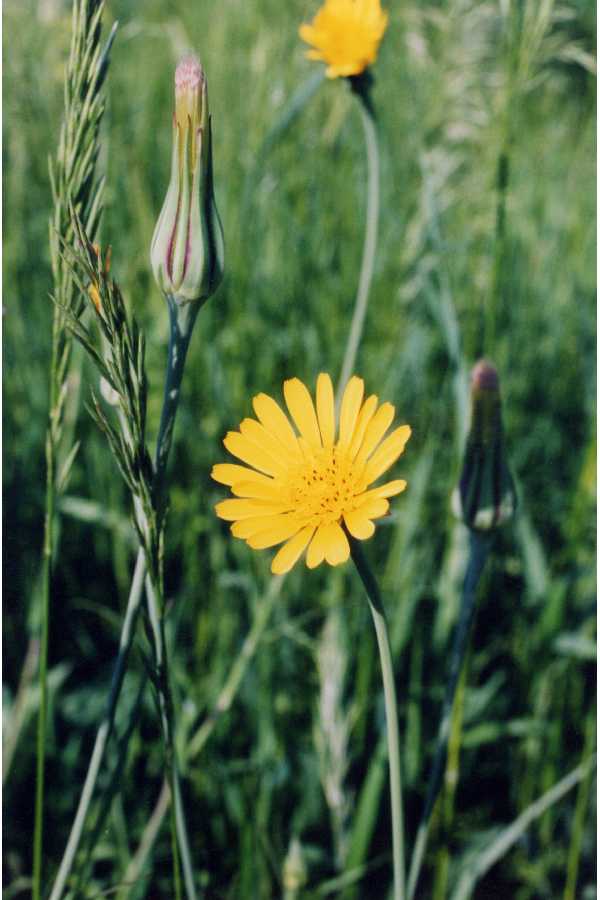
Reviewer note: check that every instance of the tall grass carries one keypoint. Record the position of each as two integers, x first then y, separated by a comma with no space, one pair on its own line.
253,782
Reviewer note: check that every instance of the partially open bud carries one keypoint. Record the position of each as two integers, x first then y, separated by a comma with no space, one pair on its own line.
485,496
187,246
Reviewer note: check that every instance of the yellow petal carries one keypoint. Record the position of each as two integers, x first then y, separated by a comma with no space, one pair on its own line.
351,402
389,489
316,551
373,507
227,473
306,32
230,510
251,453
245,528
275,534
375,431
259,435
325,410
258,490
387,454
358,524
364,417
302,410
291,552
337,548
276,422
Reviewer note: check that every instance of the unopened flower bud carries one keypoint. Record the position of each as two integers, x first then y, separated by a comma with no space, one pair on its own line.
187,246
485,497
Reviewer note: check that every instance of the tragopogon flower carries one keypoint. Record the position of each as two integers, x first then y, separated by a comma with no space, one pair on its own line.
346,35
187,246
305,487
485,497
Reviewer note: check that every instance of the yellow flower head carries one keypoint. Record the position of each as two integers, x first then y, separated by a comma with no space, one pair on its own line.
346,35
304,485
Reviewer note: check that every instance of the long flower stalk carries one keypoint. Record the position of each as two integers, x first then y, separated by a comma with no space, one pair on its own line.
391,713
367,114
106,726
480,544
180,842
181,319
74,181
450,782
181,325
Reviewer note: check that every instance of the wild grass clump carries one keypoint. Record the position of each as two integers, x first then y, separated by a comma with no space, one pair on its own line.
401,221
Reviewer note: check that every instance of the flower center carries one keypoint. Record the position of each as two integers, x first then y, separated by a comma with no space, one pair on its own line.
324,487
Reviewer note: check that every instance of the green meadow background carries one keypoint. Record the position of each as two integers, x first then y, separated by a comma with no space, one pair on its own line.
293,214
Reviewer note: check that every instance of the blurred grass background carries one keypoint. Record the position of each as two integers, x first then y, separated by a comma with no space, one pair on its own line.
293,253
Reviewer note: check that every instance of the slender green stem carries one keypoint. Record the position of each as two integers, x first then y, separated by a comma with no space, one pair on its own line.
106,726
83,871
223,703
182,321
450,782
43,663
494,309
391,713
180,841
18,713
370,241
478,552
165,704
581,804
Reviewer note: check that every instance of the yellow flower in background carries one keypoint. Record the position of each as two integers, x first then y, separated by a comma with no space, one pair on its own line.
346,35
305,487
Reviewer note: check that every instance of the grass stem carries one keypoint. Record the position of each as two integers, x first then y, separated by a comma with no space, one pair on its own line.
581,805
478,552
196,744
440,888
43,658
181,322
106,726
179,840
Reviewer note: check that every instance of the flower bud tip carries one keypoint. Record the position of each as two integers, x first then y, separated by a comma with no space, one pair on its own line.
189,74
484,376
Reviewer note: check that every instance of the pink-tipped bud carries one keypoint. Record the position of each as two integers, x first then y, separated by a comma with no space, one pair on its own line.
484,377
189,76
187,247
485,496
